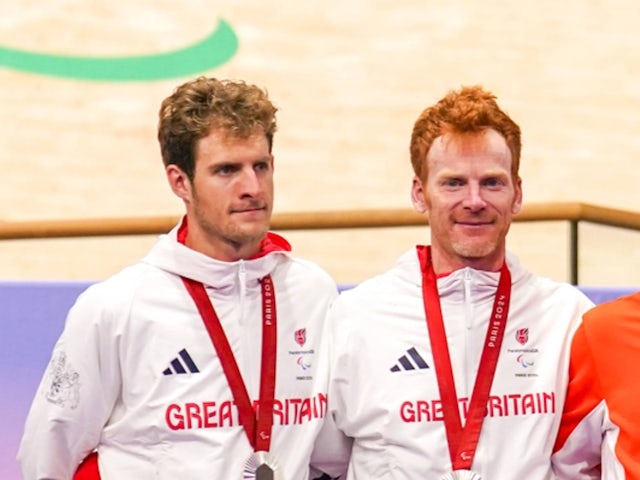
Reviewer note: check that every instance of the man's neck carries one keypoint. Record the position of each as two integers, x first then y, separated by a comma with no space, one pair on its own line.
224,252
196,240
444,264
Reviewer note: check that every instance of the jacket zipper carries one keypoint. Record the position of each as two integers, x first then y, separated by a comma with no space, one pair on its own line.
242,280
468,323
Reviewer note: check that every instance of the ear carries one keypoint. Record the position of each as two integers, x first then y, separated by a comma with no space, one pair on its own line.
418,193
179,182
517,199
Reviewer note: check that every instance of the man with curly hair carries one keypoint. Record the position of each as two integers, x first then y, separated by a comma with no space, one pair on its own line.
188,363
453,364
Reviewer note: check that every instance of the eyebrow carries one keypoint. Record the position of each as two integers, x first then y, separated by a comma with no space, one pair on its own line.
455,174
236,163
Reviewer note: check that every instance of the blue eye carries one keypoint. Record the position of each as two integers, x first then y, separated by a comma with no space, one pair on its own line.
494,182
226,169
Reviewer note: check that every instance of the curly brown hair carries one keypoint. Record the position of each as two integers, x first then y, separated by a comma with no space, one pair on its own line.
467,110
200,105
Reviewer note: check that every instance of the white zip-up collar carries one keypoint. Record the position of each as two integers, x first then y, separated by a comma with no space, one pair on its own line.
170,255
460,284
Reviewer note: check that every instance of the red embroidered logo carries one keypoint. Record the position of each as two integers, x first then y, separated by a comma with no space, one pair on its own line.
300,336
522,335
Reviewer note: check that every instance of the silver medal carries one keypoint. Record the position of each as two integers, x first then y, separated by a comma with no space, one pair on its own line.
461,475
261,466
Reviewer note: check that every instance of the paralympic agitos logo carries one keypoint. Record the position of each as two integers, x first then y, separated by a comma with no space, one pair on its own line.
211,51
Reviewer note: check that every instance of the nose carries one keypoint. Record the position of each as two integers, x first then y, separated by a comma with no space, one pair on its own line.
249,183
473,198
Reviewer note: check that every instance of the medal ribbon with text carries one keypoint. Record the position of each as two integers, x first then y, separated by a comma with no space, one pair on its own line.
463,441
257,425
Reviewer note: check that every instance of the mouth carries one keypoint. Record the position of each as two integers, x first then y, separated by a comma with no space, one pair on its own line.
473,227
250,210
475,224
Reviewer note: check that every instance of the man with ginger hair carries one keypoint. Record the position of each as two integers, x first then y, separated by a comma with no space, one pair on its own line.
453,364
188,363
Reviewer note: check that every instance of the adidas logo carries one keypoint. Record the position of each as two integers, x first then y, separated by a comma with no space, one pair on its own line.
405,362
178,366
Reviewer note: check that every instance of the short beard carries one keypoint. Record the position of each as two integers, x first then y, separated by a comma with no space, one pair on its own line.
472,250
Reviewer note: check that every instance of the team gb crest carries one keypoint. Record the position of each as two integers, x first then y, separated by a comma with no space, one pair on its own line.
300,336
522,335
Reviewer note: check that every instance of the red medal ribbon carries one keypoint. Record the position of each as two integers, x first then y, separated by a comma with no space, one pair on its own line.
463,441
257,425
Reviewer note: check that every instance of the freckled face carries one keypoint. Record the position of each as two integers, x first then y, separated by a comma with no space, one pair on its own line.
470,197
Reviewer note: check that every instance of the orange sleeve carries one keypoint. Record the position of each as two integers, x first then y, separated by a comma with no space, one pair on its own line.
600,420
577,451
584,392
614,330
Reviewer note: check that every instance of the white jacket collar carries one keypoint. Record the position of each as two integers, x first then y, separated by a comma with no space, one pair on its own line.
452,286
170,255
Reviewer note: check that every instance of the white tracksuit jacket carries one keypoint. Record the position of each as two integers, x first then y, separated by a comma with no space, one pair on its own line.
135,375
384,391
